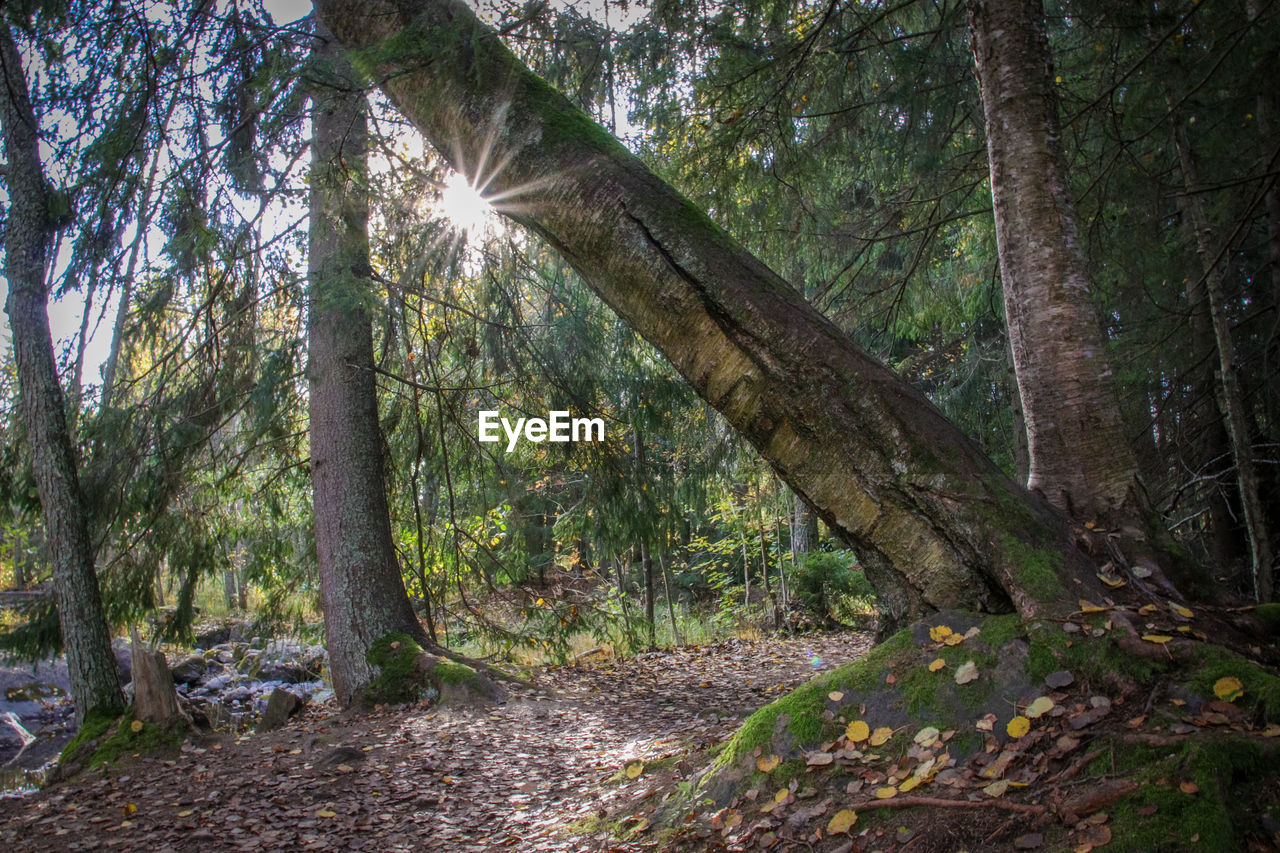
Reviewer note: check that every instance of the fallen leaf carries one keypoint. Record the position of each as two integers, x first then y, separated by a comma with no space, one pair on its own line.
967,673
782,794
1087,606
857,731
842,821
1112,581
1030,841
1058,680
954,639
927,736
996,789
888,792
1228,689
1184,612
1147,609
1148,811
819,759
939,633
937,664
1141,572
1189,788
1159,639
326,813
1038,708
633,770
986,724
835,695
1018,726
767,764
910,784
881,736
136,726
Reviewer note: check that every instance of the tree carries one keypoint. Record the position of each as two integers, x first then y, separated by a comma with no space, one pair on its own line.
935,523
1080,457
95,683
361,590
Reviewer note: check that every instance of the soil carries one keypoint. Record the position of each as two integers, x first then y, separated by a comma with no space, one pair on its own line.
576,760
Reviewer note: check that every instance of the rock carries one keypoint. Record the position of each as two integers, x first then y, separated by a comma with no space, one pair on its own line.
280,706
124,661
189,670
284,672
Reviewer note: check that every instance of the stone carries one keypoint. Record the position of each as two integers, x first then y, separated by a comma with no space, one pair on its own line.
281,705
189,670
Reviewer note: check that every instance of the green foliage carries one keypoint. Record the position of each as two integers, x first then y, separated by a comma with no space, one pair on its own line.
398,680
829,584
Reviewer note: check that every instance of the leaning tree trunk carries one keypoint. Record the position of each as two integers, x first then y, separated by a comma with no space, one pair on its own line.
1080,457
361,591
95,683
935,523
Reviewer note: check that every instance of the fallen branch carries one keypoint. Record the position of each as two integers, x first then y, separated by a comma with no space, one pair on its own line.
1079,764
907,802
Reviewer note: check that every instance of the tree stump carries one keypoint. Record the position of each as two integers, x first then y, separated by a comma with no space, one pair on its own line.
154,698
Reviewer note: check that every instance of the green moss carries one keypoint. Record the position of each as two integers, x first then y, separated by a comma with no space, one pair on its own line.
1035,568
451,672
395,656
94,727
1261,688
1232,774
1269,616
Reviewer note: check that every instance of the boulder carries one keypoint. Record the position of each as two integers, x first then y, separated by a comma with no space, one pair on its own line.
189,670
281,705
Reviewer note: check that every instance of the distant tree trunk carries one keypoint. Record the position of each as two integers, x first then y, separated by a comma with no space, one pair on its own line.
1080,457
804,530
1229,393
95,684
671,608
361,591
935,523
229,588
19,561
646,558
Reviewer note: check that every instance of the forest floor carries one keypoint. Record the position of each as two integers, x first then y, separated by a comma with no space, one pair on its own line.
575,761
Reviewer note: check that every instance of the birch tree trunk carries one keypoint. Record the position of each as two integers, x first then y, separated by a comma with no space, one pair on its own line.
935,523
361,591
1080,458
95,683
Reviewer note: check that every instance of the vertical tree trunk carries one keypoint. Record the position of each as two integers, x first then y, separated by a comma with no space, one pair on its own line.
1229,393
671,608
95,684
804,530
361,591
1080,457
935,523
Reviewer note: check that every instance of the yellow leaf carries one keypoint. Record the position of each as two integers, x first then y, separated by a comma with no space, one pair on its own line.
1039,708
135,726
1272,730
345,768
835,695
886,793
1160,639
927,736
937,664
996,789
634,769
186,813
1018,726
1111,581
1087,606
954,639
939,633
857,732
128,809
881,736
767,764
1184,612
1147,609
1228,689
842,821
781,796
909,784
326,813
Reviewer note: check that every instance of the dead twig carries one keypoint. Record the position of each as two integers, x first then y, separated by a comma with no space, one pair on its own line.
907,802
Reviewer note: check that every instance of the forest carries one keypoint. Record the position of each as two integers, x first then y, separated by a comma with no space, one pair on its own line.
661,425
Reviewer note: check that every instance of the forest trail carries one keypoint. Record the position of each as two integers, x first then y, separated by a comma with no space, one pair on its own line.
547,771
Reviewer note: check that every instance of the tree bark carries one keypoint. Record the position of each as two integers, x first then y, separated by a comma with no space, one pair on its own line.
1080,458
95,684
361,590
935,523
804,530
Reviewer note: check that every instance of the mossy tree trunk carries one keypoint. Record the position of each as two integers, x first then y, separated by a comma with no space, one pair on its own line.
95,683
361,591
935,523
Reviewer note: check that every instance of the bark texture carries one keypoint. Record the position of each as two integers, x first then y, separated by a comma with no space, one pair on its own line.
1080,458
361,591
935,523
95,684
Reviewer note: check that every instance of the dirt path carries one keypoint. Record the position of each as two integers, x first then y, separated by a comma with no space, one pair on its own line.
544,772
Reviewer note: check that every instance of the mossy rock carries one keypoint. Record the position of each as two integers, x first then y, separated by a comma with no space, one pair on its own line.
897,689
407,673
104,740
